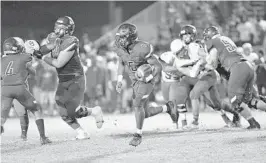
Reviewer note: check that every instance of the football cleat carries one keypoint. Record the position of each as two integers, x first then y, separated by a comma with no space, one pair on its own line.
2,129
82,135
45,140
172,111
253,124
137,139
24,137
98,115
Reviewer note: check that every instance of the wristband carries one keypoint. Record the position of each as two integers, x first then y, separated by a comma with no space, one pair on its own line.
148,78
120,78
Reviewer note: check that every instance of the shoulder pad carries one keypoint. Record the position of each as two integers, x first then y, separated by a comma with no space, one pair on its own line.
176,45
69,42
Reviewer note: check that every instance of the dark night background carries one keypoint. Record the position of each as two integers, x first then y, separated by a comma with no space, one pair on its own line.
19,17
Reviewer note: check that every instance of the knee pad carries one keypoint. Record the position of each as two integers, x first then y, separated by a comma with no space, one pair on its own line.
181,108
81,112
69,120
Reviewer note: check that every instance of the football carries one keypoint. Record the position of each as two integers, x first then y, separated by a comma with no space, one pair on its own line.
143,72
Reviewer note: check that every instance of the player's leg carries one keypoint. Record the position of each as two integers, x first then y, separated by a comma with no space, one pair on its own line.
29,102
182,89
6,103
69,97
23,117
169,107
239,82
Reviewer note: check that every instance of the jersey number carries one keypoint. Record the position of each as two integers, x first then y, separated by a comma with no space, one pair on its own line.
9,69
132,66
230,47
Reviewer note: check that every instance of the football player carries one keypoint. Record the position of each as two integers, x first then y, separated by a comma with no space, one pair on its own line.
64,56
190,58
15,68
241,73
136,55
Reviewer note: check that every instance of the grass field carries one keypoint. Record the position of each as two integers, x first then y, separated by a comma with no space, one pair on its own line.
161,142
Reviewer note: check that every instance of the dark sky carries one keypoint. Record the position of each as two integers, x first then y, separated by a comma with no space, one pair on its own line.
43,14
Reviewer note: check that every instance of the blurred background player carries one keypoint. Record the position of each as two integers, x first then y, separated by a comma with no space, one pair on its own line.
64,49
241,79
136,58
15,68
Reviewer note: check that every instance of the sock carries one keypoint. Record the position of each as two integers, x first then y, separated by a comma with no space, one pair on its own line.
245,112
140,116
139,131
79,130
40,125
24,124
152,111
164,108
182,116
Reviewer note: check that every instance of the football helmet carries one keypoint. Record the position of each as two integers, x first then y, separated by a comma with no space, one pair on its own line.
126,35
209,32
191,31
64,25
13,45
31,46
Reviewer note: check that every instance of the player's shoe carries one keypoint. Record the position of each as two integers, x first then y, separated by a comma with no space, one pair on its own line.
137,139
98,115
194,124
184,124
227,121
172,111
45,140
253,124
2,129
24,137
82,135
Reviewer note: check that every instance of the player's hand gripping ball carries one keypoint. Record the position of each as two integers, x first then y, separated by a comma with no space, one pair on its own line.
144,73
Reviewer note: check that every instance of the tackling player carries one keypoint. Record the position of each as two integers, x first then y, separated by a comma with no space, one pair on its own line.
15,68
65,58
241,73
136,58
189,60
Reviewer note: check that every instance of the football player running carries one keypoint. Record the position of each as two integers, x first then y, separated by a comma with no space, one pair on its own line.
137,60
241,73
64,50
15,68
189,60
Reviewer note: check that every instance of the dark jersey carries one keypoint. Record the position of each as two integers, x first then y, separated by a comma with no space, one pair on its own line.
226,49
14,70
134,57
73,67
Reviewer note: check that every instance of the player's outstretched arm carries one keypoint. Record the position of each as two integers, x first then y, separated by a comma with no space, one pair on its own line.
30,67
153,61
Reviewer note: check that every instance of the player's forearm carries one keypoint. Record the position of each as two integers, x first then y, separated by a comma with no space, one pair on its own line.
50,61
47,48
185,62
186,71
